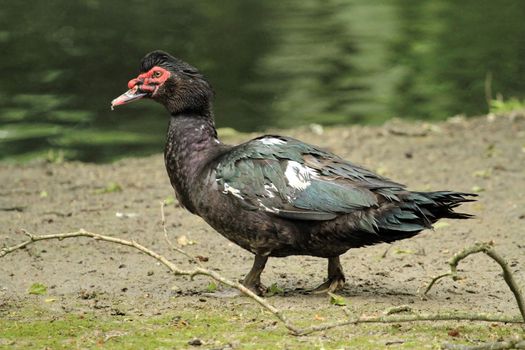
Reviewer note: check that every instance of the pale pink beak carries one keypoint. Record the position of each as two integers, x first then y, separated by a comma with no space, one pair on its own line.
127,97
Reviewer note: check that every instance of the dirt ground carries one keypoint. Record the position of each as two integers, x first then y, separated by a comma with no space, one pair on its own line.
485,155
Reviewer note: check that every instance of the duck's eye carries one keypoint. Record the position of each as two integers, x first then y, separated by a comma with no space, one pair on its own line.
157,74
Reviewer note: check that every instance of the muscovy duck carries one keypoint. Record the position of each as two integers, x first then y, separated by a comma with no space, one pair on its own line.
276,196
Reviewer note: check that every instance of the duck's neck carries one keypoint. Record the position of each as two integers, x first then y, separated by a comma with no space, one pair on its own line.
191,143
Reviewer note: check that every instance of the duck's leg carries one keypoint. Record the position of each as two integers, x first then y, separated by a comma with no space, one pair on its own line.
336,277
253,278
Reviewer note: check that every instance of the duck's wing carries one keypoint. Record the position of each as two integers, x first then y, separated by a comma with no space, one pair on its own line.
291,179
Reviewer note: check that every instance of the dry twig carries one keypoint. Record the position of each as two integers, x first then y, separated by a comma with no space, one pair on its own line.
488,249
168,240
171,266
457,316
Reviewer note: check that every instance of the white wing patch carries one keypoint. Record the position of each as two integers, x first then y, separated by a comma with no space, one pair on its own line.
272,141
270,190
299,176
232,190
270,210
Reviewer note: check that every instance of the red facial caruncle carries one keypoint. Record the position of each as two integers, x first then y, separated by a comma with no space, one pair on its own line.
151,80
146,84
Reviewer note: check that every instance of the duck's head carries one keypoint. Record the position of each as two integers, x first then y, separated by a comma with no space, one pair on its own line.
171,82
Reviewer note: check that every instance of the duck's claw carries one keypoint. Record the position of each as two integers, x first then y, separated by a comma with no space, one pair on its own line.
258,288
331,285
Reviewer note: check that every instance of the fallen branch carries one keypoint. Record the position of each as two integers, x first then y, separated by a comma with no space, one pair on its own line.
168,240
458,316
488,249
386,318
162,259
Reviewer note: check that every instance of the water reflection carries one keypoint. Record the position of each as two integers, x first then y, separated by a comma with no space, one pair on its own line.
456,55
272,63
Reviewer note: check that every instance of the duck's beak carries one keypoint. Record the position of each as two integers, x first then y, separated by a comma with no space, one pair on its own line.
129,96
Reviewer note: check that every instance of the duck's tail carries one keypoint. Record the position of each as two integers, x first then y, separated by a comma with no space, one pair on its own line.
440,204
419,210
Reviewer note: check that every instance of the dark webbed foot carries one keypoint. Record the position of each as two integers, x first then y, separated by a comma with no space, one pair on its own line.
336,278
252,280
330,285
258,288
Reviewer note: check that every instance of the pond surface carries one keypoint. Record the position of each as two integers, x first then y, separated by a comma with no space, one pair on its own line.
272,63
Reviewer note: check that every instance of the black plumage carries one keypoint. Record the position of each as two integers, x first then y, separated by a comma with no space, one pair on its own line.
274,195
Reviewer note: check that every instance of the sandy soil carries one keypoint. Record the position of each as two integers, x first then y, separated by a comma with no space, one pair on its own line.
482,154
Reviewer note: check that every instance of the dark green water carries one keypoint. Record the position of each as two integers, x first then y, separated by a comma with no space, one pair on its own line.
274,63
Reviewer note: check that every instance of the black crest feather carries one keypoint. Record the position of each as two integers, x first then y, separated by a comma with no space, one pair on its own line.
165,60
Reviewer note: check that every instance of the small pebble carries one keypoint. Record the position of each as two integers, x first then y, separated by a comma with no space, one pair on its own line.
195,342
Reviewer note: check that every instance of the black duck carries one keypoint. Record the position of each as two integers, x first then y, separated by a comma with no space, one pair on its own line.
276,196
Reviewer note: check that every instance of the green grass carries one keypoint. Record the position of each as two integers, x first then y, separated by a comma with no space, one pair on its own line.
500,106
243,326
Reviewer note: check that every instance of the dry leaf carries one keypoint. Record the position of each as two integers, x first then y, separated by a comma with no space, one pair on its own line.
184,241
